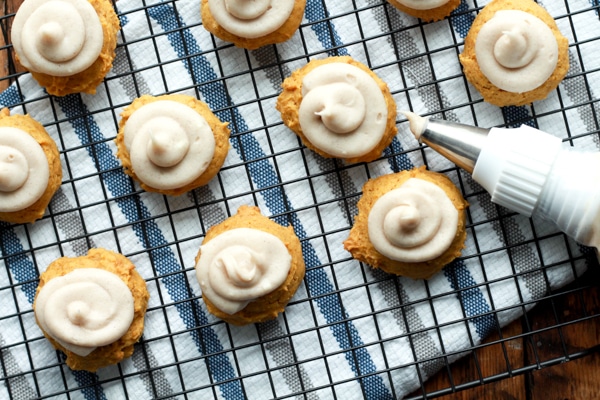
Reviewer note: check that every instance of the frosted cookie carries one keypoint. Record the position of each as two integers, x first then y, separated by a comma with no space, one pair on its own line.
171,144
427,10
411,223
252,24
92,308
67,45
514,53
249,267
30,170
339,108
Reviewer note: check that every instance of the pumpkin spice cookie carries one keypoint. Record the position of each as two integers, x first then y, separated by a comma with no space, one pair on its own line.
252,24
92,308
171,144
339,108
410,223
514,53
249,267
30,170
67,45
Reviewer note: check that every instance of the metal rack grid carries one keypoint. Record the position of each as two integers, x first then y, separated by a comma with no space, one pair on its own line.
184,352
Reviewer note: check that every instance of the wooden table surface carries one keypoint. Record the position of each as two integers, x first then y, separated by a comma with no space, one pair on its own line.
513,349
573,380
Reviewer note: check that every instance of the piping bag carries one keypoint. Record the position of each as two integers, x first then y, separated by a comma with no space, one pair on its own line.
525,170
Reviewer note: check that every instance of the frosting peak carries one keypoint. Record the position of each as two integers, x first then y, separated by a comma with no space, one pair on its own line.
51,36
251,18
170,144
512,49
414,223
24,171
343,107
57,37
343,111
403,219
85,309
516,51
14,169
240,265
77,311
167,147
247,9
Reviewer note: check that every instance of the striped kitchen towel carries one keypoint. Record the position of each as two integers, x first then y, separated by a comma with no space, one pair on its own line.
350,332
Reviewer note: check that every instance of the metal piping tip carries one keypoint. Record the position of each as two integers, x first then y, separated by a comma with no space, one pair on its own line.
459,143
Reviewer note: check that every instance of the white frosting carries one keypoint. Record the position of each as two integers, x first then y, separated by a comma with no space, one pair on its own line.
169,144
516,51
24,170
85,309
57,37
251,18
421,4
241,265
417,123
343,111
414,223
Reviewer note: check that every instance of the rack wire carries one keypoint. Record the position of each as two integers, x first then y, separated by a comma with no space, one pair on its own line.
98,206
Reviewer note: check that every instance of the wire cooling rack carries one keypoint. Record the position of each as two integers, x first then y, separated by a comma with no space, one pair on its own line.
350,332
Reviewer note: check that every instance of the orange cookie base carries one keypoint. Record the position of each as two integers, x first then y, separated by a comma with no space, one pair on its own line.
282,34
290,98
88,80
121,266
269,306
37,131
493,94
219,129
433,14
361,248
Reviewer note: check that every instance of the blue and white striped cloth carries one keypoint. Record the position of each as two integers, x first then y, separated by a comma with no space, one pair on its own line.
350,332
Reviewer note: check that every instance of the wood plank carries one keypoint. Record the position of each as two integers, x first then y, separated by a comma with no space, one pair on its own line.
576,379
497,356
8,7
572,380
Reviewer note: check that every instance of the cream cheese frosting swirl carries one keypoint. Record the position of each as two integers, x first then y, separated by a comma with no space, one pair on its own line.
57,37
414,223
516,51
421,4
24,171
169,144
343,111
85,309
251,18
241,265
